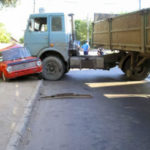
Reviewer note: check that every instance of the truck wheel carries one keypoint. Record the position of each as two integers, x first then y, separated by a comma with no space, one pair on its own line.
4,77
138,73
53,68
67,69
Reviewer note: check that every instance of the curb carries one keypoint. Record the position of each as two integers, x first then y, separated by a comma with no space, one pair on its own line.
21,126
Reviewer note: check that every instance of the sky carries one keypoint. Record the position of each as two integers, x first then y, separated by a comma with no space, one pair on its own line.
15,19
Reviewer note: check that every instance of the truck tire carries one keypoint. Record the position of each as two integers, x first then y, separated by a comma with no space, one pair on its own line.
53,68
138,73
122,63
67,70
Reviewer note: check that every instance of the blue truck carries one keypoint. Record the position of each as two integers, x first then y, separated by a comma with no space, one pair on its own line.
51,37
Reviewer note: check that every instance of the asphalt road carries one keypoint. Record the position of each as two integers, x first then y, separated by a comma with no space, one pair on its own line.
117,117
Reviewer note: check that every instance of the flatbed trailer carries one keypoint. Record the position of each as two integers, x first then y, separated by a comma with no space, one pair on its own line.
130,35
129,32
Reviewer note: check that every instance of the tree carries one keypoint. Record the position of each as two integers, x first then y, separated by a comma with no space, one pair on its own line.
81,30
21,40
8,3
4,35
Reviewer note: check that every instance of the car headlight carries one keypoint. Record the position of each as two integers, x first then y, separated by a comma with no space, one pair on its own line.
9,69
39,63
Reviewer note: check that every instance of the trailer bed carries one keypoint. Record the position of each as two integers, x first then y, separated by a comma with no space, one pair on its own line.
129,32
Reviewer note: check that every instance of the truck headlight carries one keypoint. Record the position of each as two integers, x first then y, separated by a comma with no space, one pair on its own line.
39,63
9,69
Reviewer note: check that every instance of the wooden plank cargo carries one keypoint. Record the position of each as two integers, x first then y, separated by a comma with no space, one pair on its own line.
130,35
129,32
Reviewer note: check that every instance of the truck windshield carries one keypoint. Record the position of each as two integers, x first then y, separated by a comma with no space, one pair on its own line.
15,53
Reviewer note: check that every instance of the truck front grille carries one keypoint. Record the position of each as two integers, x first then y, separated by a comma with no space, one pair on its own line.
23,66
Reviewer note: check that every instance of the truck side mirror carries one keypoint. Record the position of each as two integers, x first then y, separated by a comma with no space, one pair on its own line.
31,25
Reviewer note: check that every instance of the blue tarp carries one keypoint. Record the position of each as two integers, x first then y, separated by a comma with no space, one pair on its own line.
15,53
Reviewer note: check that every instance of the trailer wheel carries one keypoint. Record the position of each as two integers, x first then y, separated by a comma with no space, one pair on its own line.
122,63
4,77
53,68
138,73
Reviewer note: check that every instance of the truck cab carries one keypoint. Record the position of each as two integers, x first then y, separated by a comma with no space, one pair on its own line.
47,31
49,35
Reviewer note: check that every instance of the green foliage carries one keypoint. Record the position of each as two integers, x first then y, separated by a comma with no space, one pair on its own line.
4,35
8,3
81,30
21,40
123,13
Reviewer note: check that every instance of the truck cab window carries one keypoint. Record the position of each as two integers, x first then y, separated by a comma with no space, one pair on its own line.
57,23
38,25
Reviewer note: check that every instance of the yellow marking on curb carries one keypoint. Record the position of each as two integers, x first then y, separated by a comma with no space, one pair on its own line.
13,125
17,93
15,111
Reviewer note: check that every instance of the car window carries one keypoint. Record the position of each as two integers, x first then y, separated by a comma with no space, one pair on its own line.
15,53
57,23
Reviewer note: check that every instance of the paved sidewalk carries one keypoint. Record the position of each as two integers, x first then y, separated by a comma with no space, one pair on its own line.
14,96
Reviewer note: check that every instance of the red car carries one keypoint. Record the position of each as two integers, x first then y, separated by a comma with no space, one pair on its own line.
16,61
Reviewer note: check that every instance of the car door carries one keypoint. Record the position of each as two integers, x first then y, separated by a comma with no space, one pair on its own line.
36,36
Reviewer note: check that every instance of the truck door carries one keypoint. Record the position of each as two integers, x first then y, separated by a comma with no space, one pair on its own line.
36,35
57,33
